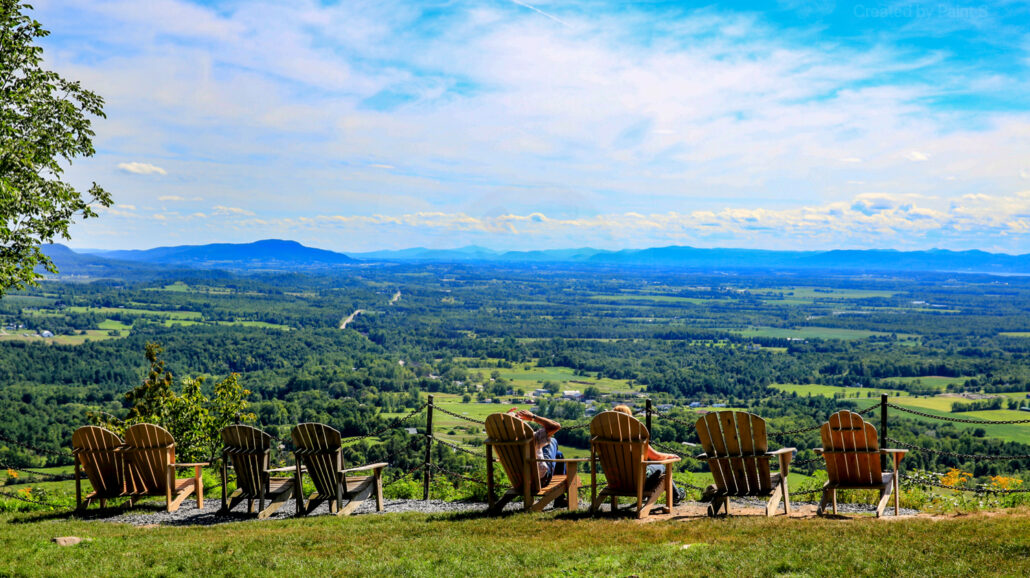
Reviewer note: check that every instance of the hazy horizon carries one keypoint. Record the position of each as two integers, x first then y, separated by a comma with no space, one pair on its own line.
361,126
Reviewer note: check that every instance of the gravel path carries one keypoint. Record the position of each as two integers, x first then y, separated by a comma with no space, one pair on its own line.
153,514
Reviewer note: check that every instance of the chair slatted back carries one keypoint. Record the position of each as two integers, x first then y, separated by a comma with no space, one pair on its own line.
503,427
318,446
97,450
736,443
249,449
620,443
852,450
150,448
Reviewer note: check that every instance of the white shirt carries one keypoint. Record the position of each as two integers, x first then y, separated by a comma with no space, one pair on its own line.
541,439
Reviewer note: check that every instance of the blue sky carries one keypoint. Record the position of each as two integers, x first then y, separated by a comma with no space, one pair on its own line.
519,124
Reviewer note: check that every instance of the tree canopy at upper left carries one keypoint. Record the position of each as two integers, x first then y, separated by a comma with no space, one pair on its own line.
44,124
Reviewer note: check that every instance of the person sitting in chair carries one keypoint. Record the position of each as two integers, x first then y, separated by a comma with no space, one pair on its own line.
655,471
545,445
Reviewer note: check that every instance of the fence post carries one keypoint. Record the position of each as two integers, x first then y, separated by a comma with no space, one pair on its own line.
427,473
647,413
883,429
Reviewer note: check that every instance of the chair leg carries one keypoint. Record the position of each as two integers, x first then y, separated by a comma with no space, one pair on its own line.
834,494
885,496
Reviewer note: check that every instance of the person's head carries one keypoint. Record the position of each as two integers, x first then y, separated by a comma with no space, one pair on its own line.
623,408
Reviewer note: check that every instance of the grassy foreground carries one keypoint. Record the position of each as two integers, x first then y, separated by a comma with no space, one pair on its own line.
544,544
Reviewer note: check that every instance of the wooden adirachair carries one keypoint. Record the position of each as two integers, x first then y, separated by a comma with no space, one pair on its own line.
512,440
98,453
852,452
150,460
249,449
736,448
319,451
620,442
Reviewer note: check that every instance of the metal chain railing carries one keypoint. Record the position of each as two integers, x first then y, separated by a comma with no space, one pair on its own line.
404,475
459,448
921,481
27,500
956,454
34,472
457,415
38,450
957,419
395,424
447,472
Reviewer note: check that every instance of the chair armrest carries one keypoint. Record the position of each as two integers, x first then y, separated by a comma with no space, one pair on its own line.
192,464
818,451
375,466
781,451
893,451
286,469
661,462
701,456
563,460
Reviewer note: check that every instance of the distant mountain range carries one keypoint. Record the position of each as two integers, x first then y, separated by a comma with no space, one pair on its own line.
267,254
279,255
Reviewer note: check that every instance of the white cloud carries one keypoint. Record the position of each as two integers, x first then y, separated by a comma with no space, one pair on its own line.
142,169
916,156
171,198
223,210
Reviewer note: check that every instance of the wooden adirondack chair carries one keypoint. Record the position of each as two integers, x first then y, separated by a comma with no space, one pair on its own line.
620,442
98,453
736,447
512,440
852,452
150,457
249,450
319,451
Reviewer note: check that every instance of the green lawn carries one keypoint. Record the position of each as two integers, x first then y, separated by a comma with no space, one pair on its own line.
936,380
1015,333
135,311
942,406
529,377
524,544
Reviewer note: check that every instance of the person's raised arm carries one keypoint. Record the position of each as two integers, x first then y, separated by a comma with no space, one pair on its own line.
549,425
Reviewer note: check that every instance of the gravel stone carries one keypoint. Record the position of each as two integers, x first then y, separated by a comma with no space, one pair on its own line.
153,513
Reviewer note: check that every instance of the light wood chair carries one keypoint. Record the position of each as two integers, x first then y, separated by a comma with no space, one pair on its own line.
319,451
512,440
620,443
98,453
852,453
736,448
150,456
249,450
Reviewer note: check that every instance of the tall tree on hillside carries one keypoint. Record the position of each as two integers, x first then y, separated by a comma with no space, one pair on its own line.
44,122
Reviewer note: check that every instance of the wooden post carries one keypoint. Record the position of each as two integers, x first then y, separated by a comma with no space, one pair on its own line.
883,430
427,475
647,414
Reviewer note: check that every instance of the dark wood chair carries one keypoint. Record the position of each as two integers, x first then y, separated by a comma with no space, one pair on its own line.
852,453
737,450
319,451
98,454
512,440
249,451
620,443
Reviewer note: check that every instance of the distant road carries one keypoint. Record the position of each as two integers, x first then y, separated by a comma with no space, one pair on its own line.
343,324
395,297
